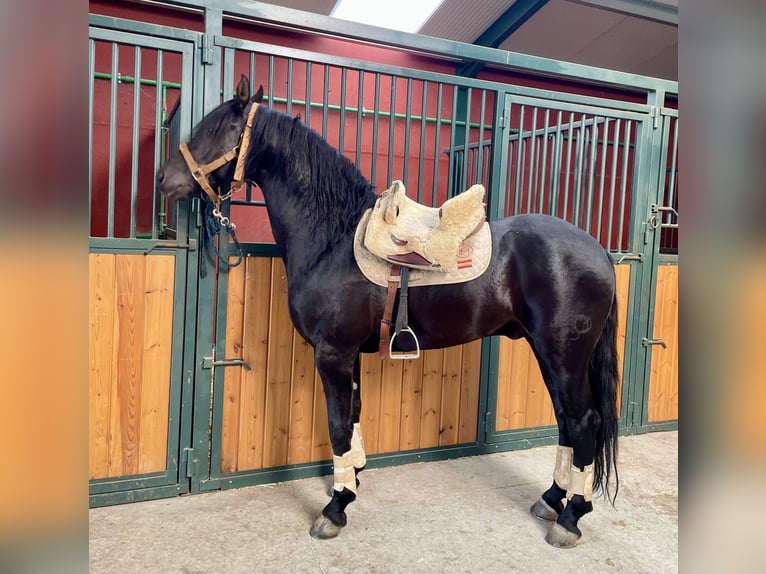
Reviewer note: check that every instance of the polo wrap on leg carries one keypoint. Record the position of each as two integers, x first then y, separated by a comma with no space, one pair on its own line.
357,447
563,465
343,472
581,482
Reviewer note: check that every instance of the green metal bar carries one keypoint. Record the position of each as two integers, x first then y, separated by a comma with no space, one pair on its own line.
391,123
532,171
306,105
132,79
555,183
451,173
624,185
422,151
612,185
435,190
91,89
480,157
520,145
673,164
375,124
602,184
569,167
591,178
407,135
251,69
325,91
342,134
578,175
290,89
112,139
359,118
466,138
158,134
541,187
134,145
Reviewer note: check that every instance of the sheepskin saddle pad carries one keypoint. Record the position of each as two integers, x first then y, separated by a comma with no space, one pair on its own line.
448,244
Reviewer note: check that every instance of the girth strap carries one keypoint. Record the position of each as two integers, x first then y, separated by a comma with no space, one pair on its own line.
398,279
385,324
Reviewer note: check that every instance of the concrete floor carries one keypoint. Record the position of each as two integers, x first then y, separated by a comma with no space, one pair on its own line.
464,515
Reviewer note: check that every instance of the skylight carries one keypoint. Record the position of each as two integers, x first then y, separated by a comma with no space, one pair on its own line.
404,15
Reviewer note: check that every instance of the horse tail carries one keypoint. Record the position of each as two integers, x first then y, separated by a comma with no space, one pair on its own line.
603,376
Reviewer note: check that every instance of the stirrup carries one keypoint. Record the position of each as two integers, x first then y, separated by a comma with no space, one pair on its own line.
403,354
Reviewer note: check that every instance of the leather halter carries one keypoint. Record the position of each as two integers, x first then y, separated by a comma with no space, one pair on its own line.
200,173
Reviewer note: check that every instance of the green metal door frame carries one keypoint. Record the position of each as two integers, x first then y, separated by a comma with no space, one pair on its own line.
121,489
661,146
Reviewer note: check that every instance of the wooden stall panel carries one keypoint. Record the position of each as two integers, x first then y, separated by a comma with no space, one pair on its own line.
663,381
130,337
275,414
522,399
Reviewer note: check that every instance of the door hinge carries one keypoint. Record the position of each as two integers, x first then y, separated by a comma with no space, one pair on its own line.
655,115
191,463
206,49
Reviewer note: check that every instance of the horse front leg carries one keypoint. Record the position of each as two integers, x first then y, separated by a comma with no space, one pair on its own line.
343,407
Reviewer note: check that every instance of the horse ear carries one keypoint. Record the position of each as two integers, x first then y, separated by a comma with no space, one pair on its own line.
243,90
258,97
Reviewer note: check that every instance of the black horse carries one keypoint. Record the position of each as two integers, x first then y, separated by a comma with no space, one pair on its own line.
547,282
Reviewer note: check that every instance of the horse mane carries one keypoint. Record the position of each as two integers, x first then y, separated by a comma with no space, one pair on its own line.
331,192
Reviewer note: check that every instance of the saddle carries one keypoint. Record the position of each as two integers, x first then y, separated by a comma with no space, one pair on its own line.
401,230
449,244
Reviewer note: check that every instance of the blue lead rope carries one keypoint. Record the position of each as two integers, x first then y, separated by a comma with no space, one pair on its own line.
213,225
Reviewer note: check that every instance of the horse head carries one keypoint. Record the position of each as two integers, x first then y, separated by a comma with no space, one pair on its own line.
206,160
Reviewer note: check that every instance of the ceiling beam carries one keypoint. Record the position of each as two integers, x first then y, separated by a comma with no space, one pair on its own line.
646,9
510,21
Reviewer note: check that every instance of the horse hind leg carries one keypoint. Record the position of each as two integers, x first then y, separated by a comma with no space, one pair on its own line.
578,424
343,409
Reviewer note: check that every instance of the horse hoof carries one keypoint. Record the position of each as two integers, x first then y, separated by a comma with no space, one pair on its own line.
324,528
560,537
543,511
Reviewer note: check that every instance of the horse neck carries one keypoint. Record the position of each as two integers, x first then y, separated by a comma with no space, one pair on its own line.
307,228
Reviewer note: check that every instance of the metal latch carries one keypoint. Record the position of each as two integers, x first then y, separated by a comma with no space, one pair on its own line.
646,342
209,363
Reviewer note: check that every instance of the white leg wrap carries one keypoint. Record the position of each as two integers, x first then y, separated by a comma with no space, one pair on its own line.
581,482
357,447
563,464
343,472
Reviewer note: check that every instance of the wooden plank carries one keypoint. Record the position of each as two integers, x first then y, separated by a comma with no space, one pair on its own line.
539,410
390,406
450,411
126,404
412,394
255,346
321,449
622,274
159,289
504,404
371,371
469,392
519,358
232,377
277,416
663,382
301,402
101,318
433,361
